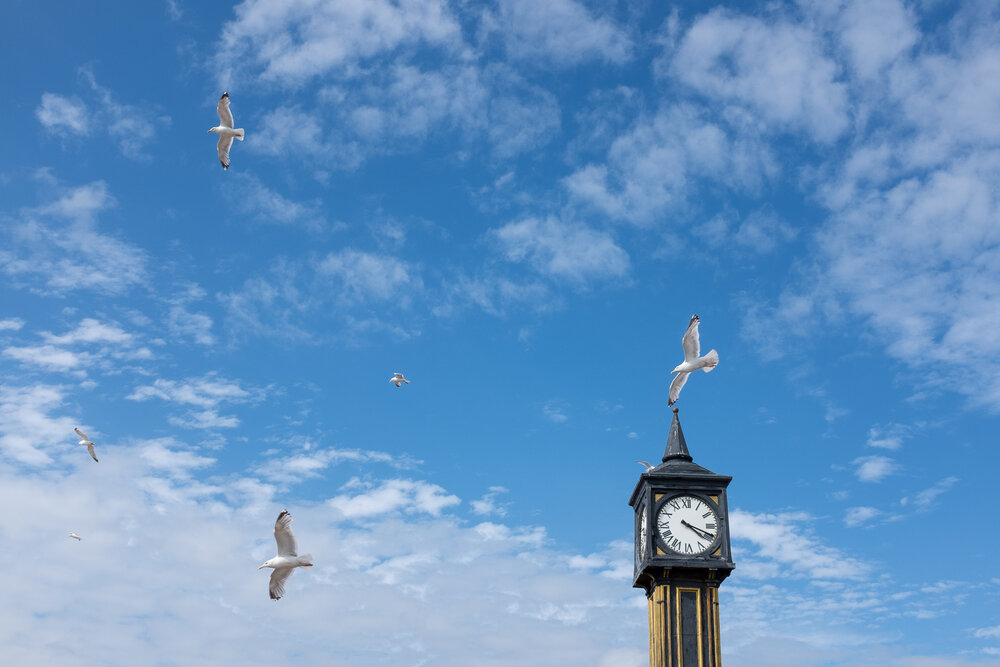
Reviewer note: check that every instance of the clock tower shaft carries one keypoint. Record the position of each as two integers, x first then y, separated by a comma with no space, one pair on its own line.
681,557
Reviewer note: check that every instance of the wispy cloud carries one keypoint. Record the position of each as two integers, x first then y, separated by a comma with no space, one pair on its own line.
927,497
874,468
56,247
63,115
564,250
394,495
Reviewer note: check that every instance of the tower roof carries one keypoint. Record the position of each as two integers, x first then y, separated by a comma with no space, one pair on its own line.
677,448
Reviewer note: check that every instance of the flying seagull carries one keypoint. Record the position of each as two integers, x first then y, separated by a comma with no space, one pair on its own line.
287,559
398,379
692,362
649,466
86,443
225,130
75,537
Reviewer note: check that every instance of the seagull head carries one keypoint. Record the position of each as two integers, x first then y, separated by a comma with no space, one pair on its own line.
266,564
213,129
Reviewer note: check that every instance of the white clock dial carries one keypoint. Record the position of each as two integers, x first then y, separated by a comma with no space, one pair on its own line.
687,525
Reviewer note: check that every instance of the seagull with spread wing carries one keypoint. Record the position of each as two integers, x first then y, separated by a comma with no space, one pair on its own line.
86,443
398,379
692,362
225,130
287,558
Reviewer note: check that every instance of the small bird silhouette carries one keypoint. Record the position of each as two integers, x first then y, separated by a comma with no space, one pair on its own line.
398,379
86,443
648,465
75,537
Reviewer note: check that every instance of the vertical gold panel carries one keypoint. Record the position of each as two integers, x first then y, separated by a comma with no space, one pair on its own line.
716,631
649,606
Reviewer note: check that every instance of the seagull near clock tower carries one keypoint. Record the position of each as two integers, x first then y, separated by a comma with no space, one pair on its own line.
682,554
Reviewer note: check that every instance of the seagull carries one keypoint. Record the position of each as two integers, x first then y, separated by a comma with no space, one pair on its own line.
286,560
86,443
649,466
398,379
225,130
692,362
75,537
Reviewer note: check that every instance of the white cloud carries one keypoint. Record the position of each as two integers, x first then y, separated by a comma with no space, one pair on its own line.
394,495
774,67
488,504
563,249
28,433
362,276
71,256
250,196
926,498
312,462
167,455
555,410
561,32
63,115
133,127
875,33
185,324
652,170
91,330
204,392
874,468
11,324
856,516
287,43
47,356
783,544
890,436
987,633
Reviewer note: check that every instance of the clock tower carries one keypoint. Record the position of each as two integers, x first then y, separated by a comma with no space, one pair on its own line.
682,554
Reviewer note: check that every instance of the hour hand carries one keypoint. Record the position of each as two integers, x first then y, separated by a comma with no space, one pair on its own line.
702,533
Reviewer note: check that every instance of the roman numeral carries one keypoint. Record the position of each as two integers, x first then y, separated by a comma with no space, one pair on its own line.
673,503
686,502
700,546
710,526
675,543
687,548
706,514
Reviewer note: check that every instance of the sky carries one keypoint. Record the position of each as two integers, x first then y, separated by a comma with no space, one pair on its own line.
519,205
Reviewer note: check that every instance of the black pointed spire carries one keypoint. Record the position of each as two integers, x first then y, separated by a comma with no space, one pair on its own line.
677,449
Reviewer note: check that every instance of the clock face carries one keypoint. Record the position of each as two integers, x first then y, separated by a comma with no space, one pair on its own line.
640,540
687,525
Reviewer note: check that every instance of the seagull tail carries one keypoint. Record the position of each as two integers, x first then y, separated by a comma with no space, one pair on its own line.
711,361
306,560
241,133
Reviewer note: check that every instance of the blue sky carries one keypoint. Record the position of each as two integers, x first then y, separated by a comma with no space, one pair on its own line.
519,205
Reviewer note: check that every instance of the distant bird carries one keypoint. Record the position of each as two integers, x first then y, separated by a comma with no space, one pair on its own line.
692,362
648,465
86,443
287,558
75,537
225,130
398,379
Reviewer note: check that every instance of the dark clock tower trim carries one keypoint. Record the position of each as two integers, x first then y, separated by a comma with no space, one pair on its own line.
682,589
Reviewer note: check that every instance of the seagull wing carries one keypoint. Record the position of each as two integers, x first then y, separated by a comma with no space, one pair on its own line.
224,144
81,434
283,536
278,579
90,448
691,341
648,465
225,115
676,386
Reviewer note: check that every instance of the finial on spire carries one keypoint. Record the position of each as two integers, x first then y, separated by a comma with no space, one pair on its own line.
676,446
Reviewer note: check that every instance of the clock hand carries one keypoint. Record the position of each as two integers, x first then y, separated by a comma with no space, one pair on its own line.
701,533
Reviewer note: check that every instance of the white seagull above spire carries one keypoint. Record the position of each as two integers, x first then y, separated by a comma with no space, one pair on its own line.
287,558
398,379
692,362
86,443
225,130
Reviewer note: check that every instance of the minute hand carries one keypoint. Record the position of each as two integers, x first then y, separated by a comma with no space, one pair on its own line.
702,533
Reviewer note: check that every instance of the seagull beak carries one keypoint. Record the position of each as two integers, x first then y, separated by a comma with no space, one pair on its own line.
261,567
672,372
